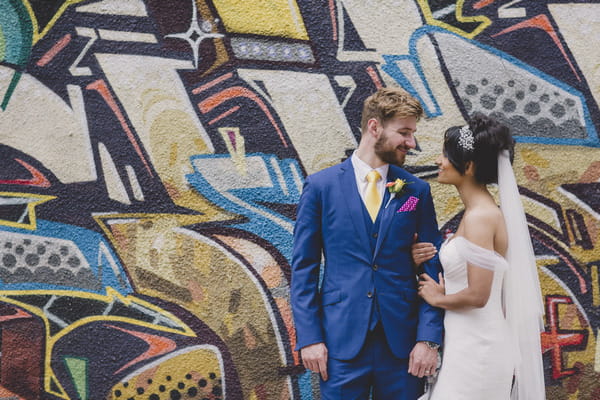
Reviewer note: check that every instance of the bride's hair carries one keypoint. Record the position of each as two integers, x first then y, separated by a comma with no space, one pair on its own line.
481,143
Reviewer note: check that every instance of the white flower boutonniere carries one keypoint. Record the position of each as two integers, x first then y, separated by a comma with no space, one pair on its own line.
396,187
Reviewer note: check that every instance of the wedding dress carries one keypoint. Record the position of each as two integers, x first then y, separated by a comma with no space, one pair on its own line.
494,352
478,353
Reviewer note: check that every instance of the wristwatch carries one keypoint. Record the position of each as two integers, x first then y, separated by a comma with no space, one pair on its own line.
431,345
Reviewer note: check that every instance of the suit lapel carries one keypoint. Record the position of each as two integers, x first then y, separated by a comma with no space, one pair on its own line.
353,202
388,213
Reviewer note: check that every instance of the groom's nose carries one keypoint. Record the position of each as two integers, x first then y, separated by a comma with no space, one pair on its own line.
411,142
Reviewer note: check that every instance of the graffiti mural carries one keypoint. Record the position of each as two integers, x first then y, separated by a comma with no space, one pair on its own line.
153,152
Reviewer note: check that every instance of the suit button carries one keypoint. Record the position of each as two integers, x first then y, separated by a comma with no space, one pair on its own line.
375,235
375,267
369,294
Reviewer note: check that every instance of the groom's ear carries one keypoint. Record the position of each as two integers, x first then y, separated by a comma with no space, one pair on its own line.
372,126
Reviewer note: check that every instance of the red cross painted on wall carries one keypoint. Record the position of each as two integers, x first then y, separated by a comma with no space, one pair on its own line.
554,339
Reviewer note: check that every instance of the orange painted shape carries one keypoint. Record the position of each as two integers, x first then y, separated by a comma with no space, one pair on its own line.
54,50
553,341
374,77
37,178
7,394
157,345
482,3
239,91
333,19
20,314
212,83
542,22
225,114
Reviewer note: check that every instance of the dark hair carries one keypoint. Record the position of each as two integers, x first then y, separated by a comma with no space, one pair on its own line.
490,138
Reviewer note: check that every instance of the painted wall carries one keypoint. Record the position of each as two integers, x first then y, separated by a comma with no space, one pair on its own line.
152,153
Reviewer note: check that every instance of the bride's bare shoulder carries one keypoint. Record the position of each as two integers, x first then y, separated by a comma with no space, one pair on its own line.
483,215
481,225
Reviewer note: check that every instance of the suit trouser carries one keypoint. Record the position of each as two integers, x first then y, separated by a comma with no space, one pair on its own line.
374,368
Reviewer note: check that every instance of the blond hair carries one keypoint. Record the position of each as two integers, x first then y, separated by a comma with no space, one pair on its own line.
387,103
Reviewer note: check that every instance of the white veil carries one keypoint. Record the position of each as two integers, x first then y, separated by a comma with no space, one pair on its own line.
521,292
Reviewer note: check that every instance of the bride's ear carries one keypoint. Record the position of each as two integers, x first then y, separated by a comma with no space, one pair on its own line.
470,168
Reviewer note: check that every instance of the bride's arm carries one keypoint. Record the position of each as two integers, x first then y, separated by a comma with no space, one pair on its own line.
479,229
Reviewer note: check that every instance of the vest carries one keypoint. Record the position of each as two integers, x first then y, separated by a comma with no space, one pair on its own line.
373,228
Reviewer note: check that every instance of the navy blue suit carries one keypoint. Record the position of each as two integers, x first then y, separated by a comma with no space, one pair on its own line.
368,273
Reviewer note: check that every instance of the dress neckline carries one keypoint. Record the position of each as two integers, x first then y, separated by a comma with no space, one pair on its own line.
454,237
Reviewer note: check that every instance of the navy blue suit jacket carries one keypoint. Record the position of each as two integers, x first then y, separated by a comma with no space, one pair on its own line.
330,223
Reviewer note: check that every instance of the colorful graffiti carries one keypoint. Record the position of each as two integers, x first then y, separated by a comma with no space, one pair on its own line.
153,152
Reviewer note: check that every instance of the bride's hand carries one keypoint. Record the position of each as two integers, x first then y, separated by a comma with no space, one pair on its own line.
422,251
430,290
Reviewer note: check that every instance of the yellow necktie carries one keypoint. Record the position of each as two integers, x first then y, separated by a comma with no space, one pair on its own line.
372,197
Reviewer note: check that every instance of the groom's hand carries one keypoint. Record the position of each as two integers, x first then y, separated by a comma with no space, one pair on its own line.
422,361
314,358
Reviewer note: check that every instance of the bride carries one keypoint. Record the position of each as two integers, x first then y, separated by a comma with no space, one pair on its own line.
491,290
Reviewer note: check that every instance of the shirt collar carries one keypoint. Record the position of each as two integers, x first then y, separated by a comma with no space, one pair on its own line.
361,168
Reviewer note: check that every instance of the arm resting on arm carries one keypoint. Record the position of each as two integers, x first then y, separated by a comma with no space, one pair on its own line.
478,230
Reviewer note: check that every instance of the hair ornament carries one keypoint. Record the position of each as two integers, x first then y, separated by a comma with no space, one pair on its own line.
466,139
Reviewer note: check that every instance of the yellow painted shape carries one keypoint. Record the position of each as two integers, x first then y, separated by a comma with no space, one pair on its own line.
452,205
211,282
188,368
32,225
173,138
2,45
541,212
237,152
37,35
484,22
228,321
262,17
531,157
165,220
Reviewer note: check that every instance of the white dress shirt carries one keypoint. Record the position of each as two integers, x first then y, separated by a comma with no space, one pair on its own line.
361,169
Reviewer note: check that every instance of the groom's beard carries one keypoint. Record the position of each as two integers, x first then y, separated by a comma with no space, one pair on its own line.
389,154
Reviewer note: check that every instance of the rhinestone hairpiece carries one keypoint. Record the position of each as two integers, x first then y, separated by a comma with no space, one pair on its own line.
466,139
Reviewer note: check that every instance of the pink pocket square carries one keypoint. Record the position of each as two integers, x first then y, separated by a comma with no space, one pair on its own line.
409,205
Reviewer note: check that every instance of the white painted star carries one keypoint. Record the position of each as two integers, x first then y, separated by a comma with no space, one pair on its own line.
196,34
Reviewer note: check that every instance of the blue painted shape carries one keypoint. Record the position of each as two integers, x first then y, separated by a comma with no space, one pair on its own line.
257,214
89,243
304,381
392,69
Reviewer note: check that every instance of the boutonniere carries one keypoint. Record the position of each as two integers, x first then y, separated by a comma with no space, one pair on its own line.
396,187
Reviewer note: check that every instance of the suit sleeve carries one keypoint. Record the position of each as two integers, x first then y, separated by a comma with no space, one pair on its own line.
306,261
430,327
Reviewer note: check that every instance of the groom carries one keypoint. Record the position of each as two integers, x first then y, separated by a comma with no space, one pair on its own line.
365,328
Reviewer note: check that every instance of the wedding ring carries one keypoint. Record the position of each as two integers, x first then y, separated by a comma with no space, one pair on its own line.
427,371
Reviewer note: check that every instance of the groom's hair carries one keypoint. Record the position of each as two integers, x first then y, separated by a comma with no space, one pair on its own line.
387,103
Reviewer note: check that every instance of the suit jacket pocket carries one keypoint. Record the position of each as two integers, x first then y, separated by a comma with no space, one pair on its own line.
330,297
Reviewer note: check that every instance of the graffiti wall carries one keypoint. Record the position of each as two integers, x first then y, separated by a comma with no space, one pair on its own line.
152,153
